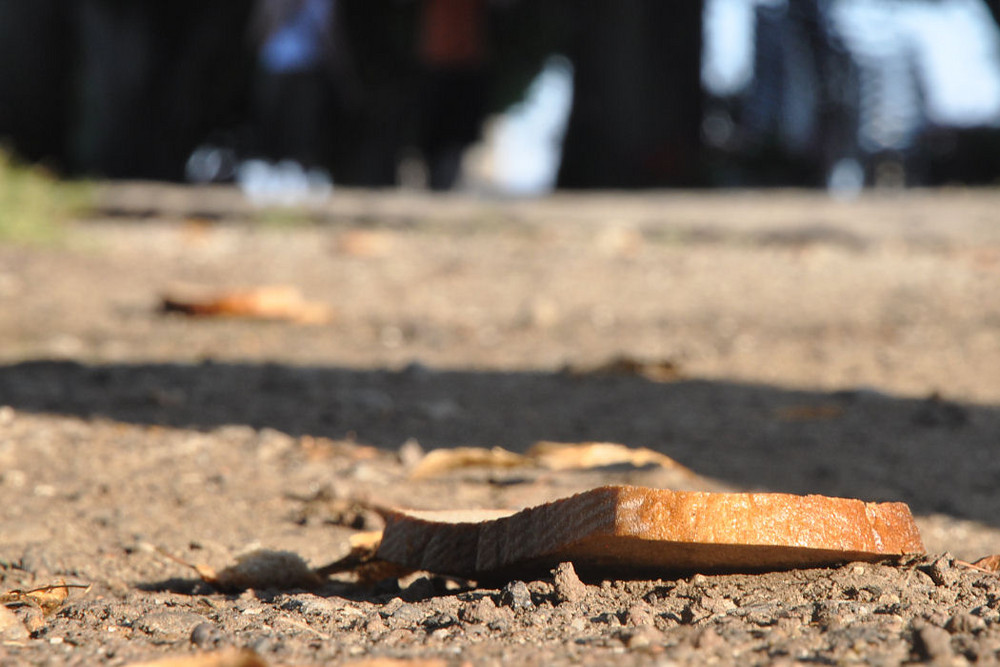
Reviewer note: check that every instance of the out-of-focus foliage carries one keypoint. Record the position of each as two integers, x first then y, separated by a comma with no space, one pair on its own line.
34,205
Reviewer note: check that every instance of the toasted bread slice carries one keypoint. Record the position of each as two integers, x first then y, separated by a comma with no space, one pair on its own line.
634,531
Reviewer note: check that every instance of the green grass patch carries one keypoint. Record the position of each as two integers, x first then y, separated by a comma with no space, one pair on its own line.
35,205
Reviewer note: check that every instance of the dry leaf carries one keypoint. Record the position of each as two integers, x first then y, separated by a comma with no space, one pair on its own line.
197,231
626,366
46,598
279,302
440,461
230,658
991,563
548,455
319,449
49,598
573,456
364,243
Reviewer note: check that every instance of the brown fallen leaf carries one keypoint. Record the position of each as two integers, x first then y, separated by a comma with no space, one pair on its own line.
321,449
364,243
229,658
990,563
583,455
46,598
629,531
49,598
626,366
277,302
196,231
547,455
440,461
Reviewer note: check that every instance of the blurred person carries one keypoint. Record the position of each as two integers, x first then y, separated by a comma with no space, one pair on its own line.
637,97
453,54
151,81
296,62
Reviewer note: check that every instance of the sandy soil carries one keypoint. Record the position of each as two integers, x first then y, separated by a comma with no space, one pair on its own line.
801,345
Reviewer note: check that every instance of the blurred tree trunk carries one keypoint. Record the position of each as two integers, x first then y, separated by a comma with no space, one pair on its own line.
637,100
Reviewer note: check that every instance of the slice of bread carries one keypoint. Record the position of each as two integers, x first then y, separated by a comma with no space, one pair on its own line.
633,531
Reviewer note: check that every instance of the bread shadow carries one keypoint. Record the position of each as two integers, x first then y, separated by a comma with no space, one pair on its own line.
936,455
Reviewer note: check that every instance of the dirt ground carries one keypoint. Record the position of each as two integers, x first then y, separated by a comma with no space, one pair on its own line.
768,341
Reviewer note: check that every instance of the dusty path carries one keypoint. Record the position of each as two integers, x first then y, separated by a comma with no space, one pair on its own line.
808,346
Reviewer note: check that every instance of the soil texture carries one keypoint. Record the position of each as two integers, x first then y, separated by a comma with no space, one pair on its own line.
764,341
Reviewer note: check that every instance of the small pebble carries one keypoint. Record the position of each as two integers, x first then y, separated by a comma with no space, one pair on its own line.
482,611
262,644
169,624
540,588
375,626
639,614
942,571
641,637
407,613
933,643
608,618
205,635
500,624
709,639
399,636
568,587
965,623
516,595
391,606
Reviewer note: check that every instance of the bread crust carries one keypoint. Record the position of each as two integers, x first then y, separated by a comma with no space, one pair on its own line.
636,531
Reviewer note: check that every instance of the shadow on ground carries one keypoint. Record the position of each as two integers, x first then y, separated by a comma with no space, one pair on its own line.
936,455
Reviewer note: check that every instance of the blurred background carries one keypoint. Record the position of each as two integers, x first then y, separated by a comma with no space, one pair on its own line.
506,96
